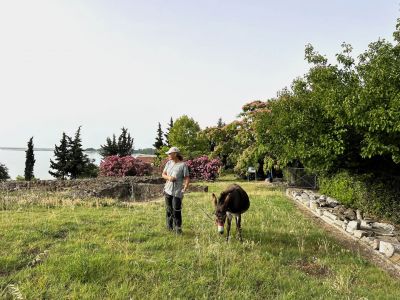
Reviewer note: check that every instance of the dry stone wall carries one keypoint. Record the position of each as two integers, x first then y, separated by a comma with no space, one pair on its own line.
382,237
132,188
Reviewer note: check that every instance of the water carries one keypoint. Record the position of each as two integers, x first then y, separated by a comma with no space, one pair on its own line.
14,160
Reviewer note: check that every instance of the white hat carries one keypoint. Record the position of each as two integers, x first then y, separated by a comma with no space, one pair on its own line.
172,150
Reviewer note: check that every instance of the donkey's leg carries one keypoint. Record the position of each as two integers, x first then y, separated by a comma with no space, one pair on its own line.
238,226
228,226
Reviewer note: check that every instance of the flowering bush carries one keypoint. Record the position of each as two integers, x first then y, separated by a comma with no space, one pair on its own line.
123,166
204,168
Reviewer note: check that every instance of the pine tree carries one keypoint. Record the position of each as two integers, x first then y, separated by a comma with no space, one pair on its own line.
110,148
77,160
171,123
3,172
125,143
220,124
61,154
159,139
30,161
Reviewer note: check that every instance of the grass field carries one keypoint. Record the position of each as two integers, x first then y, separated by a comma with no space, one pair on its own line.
53,247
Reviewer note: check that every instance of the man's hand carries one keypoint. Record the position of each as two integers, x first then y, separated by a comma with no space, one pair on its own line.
172,178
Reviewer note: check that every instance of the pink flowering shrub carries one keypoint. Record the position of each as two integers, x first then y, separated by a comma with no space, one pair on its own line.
123,166
204,168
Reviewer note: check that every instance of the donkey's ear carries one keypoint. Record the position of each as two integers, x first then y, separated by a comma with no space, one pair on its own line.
214,198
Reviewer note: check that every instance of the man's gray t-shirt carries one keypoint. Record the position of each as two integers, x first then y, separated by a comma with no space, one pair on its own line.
178,170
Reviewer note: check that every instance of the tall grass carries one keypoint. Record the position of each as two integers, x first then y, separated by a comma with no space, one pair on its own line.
96,249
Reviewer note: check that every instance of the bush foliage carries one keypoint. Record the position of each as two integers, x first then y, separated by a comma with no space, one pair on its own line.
377,195
123,166
204,168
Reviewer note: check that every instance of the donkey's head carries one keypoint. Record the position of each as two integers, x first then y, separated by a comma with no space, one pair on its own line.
220,205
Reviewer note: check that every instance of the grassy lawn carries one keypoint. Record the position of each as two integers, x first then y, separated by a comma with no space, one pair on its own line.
103,249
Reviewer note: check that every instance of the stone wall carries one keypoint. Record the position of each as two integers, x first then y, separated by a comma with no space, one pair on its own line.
383,238
132,188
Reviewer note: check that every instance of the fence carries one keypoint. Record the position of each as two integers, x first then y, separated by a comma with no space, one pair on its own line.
299,177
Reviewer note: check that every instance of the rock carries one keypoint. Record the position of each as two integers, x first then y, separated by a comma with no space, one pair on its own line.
340,224
332,202
322,197
350,214
383,226
314,204
319,211
373,242
353,225
330,215
365,225
359,215
360,233
386,248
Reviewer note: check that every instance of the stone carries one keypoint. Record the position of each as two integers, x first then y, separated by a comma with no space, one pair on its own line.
322,197
330,215
319,211
340,224
353,225
383,226
350,214
373,242
359,214
314,205
360,233
386,248
365,225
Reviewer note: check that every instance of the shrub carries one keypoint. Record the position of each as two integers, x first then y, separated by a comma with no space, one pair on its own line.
204,168
377,195
123,166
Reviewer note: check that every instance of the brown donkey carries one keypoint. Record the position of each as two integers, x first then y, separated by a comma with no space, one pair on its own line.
232,202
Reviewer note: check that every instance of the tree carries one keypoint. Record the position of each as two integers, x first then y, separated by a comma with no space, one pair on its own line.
186,135
220,124
166,135
123,147
30,161
125,143
159,139
3,172
61,154
109,148
77,160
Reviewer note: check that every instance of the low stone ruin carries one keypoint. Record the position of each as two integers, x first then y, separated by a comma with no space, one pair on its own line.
381,237
140,188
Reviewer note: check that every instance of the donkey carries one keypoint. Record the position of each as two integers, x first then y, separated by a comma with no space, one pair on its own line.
232,202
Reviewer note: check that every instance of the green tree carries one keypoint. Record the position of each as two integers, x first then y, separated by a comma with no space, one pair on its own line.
186,135
159,138
77,160
60,164
125,143
166,135
3,172
109,148
29,161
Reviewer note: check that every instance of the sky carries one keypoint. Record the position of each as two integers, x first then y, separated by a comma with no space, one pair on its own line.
103,64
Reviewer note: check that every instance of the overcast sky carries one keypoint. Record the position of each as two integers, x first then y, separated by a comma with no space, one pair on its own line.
107,64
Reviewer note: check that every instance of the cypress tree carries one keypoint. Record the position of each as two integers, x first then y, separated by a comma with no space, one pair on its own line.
109,148
61,154
220,124
159,139
30,161
171,123
77,160
3,172
125,143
